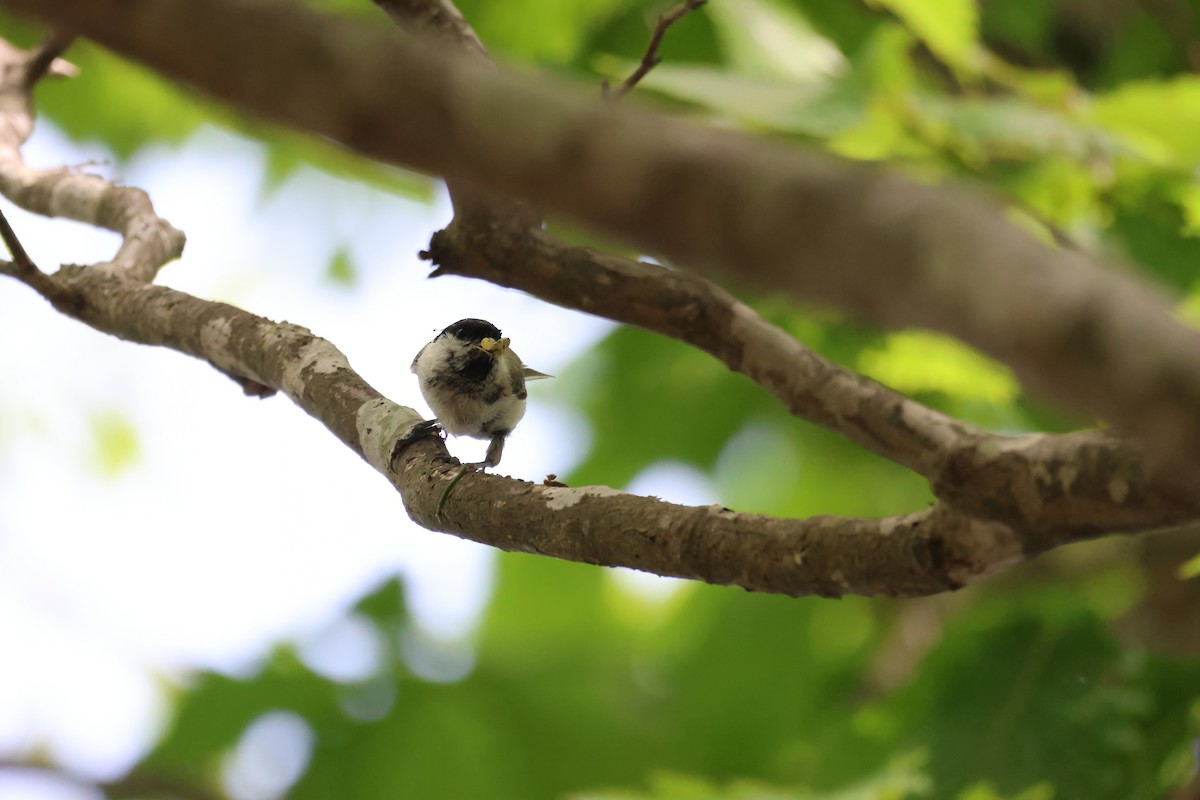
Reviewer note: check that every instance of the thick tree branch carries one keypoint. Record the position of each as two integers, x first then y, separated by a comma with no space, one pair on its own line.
695,310
890,250
913,554
441,21
1042,484
509,251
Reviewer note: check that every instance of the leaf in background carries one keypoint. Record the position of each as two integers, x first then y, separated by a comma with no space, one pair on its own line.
885,65
768,40
900,780
341,270
779,72
1006,693
128,108
921,361
1060,190
114,443
539,31
1147,47
1190,568
789,468
120,104
1018,22
288,152
1152,235
626,33
982,130
819,111
520,627
650,399
985,791
949,27
1156,118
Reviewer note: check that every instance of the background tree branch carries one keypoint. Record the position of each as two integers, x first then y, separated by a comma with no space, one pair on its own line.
1104,627
1046,490
650,59
889,250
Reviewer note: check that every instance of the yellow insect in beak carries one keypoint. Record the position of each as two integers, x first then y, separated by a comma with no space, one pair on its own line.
490,345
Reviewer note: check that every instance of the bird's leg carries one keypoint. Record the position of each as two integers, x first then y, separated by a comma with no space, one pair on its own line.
494,451
491,459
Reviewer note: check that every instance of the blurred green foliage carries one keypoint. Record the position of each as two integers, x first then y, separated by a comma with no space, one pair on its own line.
114,445
1080,116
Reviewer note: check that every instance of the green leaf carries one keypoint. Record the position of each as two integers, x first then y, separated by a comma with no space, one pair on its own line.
128,108
288,152
997,700
114,443
921,361
949,27
342,271
1154,235
1018,22
769,40
1190,568
1155,117
1012,129
647,398
1060,190
541,31
123,105
809,109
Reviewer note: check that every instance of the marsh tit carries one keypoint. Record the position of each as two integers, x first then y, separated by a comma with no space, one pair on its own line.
474,383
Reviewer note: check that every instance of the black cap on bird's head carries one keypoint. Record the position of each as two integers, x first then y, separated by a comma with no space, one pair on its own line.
472,330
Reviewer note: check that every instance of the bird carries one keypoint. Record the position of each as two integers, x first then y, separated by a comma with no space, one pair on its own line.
474,383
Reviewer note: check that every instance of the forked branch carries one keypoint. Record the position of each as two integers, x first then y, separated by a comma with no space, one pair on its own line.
1061,489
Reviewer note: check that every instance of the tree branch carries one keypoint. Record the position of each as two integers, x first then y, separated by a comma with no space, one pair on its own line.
148,242
890,250
931,551
437,19
1041,484
915,554
675,304
696,311
650,58
45,60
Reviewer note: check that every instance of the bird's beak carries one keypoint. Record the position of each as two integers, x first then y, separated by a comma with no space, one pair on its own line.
490,345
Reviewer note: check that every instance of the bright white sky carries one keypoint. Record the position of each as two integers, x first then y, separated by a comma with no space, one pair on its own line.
242,522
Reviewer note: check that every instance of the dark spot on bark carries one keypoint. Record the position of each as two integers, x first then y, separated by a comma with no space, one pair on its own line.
936,548
1084,339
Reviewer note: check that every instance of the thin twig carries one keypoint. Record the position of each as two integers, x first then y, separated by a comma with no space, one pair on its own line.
42,59
65,299
24,264
650,60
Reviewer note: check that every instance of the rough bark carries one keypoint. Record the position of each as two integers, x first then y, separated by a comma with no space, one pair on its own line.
889,250
1002,499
